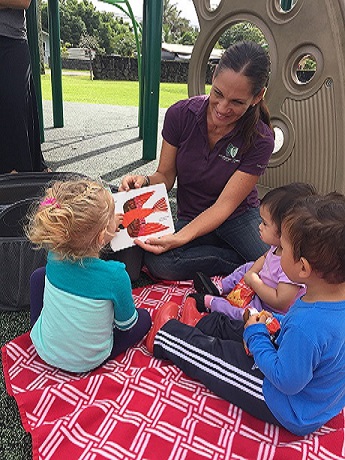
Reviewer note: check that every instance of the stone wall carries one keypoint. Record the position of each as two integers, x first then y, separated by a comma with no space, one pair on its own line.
115,68
123,68
75,64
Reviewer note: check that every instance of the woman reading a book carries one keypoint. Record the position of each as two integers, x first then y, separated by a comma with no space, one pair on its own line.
217,147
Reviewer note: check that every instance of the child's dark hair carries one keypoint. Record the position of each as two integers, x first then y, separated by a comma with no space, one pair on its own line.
279,200
316,230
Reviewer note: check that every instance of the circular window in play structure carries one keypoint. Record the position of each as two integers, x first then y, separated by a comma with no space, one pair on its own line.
214,4
283,141
235,32
285,6
304,69
278,139
240,31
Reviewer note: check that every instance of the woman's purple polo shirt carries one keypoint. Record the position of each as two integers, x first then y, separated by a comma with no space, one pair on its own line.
203,173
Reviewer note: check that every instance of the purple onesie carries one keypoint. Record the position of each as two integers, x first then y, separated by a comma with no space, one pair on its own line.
271,274
202,173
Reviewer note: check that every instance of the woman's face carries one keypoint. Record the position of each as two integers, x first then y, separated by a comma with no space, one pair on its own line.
230,97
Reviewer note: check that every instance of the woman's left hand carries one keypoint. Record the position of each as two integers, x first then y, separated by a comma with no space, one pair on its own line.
118,221
160,244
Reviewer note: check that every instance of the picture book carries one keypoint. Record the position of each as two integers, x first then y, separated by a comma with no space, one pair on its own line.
146,212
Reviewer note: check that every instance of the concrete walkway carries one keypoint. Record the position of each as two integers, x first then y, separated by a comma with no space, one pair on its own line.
97,140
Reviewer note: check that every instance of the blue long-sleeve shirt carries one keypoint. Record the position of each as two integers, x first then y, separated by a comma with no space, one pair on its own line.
304,383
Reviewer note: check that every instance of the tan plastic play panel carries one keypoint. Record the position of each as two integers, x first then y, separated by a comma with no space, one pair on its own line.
309,116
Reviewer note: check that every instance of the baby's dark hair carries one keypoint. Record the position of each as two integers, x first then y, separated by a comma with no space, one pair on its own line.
279,200
315,227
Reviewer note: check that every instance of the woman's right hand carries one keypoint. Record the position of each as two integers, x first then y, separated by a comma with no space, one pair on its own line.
131,182
159,244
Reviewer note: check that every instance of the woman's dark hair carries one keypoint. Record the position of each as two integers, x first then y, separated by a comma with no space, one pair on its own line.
252,61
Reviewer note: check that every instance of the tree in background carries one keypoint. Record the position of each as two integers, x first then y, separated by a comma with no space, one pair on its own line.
241,31
113,34
80,18
177,29
90,45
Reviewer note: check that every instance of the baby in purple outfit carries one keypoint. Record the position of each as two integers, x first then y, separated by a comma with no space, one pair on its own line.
274,292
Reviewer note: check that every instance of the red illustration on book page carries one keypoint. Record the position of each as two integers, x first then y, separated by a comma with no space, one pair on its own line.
146,212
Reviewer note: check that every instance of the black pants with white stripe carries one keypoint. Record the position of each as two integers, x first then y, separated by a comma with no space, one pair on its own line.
213,353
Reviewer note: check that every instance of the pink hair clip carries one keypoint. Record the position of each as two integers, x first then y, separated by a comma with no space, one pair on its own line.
50,202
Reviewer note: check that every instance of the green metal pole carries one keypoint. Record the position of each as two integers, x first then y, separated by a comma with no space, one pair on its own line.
151,74
55,62
31,18
141,81
286,5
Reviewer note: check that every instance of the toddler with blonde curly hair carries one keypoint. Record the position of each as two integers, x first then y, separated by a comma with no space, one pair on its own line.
82,309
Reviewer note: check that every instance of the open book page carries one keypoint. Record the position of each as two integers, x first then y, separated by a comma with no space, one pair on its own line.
146,213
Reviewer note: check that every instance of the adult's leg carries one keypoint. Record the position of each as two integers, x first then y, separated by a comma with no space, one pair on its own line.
36,293
37,160
125,339
221,365
182,263
242,234
205,254
19,129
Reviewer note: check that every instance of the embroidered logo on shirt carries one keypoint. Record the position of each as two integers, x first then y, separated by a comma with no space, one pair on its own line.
230,154
231,151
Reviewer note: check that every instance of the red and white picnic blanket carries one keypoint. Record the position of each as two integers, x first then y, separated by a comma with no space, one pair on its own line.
137,407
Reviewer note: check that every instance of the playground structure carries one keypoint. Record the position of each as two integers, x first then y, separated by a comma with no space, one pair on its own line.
308,115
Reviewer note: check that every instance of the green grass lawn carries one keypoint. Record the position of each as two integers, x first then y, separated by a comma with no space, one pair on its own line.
79,88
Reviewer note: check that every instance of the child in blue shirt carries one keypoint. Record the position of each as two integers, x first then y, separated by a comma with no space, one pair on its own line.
299,381
86,314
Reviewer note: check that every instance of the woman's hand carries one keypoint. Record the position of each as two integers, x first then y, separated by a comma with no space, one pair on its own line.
118,221
131,182
160,244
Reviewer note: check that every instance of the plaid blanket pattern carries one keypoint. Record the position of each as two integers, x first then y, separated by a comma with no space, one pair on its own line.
139,408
